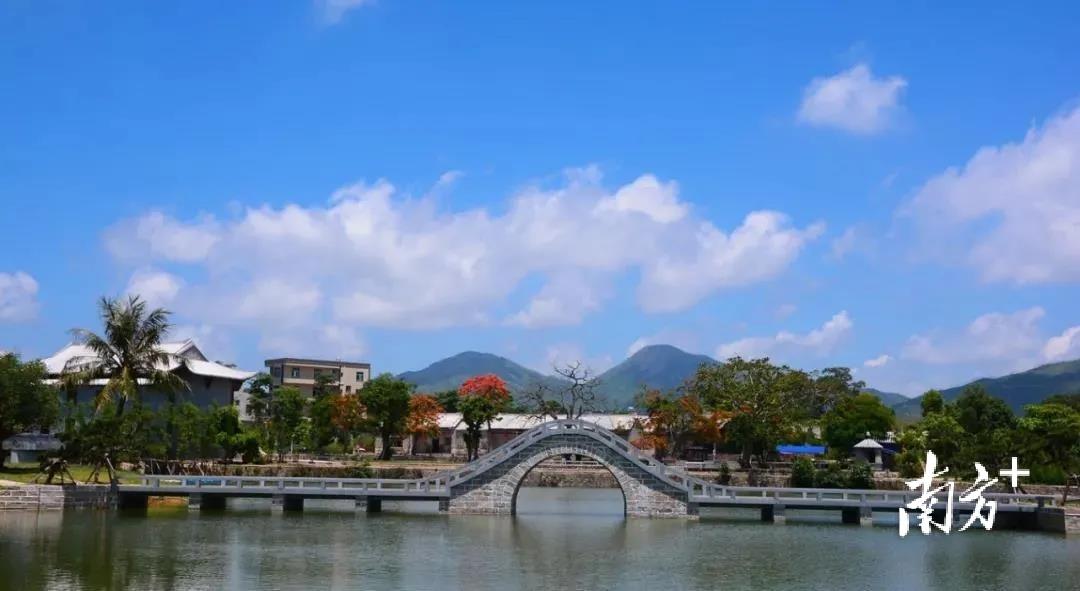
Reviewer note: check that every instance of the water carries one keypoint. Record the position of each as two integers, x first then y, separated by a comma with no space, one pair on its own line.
564,539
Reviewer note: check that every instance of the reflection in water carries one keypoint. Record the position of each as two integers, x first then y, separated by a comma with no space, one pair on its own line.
563,539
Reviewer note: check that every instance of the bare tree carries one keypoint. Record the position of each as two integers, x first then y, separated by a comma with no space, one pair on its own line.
574,395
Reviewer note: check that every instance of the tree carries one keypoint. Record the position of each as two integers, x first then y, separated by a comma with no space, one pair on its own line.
831,386
423,419
193,433
989,424
448,400
481,399
386,400
325,385
259,389
286,414
932,402
26,402
1051,432
944,436
129,352
572,396
765,401
669,423
347,414
851,419
228,435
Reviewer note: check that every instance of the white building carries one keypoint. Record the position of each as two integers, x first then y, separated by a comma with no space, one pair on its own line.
208,382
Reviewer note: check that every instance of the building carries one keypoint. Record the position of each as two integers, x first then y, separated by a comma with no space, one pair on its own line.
301,373
208,382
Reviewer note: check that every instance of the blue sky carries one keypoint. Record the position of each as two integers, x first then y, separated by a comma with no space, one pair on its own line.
896,189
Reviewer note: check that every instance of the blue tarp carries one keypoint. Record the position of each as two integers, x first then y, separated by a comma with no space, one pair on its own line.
800,450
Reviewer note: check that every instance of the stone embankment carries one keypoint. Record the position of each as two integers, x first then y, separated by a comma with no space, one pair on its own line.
48,497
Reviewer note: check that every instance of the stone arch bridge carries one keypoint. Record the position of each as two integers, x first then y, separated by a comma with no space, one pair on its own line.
490,485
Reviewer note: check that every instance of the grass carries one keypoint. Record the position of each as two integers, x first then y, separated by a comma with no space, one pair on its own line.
26,473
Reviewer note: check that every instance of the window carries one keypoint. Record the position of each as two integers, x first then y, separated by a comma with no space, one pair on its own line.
359,376
348,389
294,372
275,371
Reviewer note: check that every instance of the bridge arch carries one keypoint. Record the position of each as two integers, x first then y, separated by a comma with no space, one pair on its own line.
521,472
490,485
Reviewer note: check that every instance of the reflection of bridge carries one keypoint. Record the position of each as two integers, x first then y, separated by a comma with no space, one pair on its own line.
490,486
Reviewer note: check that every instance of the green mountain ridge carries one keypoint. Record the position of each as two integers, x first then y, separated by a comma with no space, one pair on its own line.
449,373
666,367
1017,389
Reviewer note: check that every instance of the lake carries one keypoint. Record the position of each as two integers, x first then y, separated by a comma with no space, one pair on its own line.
563,539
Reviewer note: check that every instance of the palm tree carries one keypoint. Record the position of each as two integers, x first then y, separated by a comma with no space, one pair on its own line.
127,356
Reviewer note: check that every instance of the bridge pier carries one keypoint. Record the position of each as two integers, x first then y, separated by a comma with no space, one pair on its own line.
444,505
773,514
201,501
126,500
287,503
369,504
857,515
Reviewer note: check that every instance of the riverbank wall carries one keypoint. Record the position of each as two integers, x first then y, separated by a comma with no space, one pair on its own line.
45,497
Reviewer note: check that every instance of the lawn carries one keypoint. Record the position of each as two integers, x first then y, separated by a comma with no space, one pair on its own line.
27,472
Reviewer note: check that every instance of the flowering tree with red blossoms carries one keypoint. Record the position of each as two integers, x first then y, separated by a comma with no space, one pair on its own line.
482,399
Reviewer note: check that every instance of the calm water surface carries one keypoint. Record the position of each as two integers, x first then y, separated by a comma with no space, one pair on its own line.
564,539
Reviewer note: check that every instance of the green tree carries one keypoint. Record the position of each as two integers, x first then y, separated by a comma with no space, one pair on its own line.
227,432
944,436
448,400
26,402
932,402
129,353
325,384
286,413
192,435
831,386
852,418
989,424
1051,433
766,401
386,401
260,390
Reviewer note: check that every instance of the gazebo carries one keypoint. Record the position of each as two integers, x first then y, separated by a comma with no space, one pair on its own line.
870,451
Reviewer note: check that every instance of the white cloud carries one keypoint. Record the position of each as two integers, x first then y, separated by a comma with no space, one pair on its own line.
563,301
878,361
1013,210
853,100
820,341
561,354
334,10
1064,346
757,250
845,243
374,257
783,311
18,297
1010,340
158,288
156,236
647,195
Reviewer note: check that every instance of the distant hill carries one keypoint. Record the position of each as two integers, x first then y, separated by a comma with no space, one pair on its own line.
1018,389
657,366
449,373
887,398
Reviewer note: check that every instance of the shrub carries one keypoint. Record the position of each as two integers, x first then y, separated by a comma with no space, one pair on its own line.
909,464
249,447
1043,474
860,476
831,477
724,477
334,448
802,472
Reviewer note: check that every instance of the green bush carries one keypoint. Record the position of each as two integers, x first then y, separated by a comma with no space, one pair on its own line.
724,477
1043,474
831,477
334,448
249,447
861,476
803,472
909,464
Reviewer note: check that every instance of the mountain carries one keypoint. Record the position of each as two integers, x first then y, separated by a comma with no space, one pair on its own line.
887,398
1018,389
656,366
449,373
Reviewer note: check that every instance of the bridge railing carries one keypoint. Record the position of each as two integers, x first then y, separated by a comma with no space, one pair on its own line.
284,483
854,496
